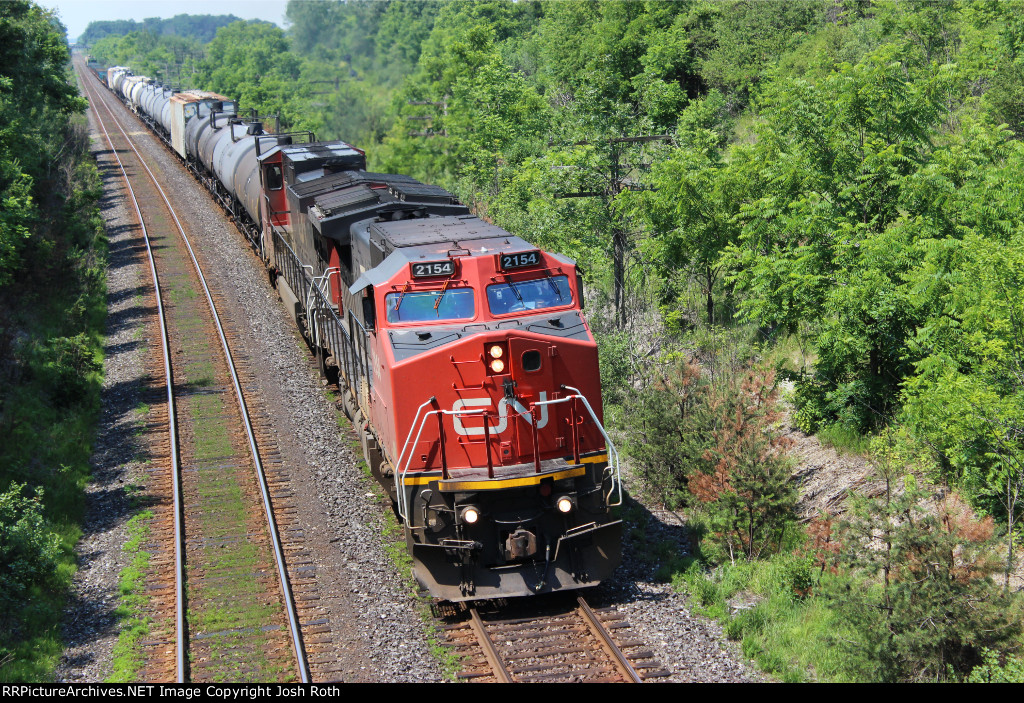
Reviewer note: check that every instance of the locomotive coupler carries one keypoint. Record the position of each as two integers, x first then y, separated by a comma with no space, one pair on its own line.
520,545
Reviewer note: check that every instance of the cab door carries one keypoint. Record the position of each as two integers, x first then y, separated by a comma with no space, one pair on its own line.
272,178
532,369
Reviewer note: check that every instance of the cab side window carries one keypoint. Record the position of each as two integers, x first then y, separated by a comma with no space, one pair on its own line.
272,177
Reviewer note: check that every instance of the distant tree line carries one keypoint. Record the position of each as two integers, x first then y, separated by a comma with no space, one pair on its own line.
201,28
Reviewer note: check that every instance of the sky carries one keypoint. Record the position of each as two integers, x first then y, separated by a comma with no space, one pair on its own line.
77,14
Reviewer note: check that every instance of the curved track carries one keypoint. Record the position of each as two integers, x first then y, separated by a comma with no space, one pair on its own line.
233,620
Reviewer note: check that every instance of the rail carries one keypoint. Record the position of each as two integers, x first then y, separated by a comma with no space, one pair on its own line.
289,605
612,471
172,427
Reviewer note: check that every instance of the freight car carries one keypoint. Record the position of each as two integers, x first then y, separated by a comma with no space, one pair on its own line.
461,352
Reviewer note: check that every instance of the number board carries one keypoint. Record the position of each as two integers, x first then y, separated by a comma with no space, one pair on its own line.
427,269
519,260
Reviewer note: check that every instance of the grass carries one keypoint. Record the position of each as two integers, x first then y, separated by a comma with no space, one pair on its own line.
228,611
792,354
792,637
844,440
133,611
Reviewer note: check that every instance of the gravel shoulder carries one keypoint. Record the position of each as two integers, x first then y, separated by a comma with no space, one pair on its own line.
118,461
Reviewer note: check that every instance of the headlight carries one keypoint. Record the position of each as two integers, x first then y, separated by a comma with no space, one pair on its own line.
564,504
494,357
470,515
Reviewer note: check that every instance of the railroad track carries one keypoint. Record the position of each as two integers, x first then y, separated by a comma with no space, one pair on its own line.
234,614
565,644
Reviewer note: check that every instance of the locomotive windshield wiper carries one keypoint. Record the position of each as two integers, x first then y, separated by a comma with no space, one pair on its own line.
551,282
440,294
401,295
508,280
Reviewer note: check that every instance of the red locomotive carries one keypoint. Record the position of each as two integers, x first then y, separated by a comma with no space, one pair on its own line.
462,353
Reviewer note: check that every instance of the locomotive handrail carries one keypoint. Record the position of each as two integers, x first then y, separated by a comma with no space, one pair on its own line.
311,137
613,453
316,284
398,462
400,477
342,344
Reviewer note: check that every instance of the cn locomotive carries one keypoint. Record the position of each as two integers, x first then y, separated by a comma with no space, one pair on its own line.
462,354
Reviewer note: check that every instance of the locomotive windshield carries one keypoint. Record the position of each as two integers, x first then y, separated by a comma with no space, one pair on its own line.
431,305
538,294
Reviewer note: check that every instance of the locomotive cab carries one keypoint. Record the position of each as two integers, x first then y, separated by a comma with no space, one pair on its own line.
484,396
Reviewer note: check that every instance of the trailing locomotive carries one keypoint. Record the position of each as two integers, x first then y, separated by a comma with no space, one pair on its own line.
461,351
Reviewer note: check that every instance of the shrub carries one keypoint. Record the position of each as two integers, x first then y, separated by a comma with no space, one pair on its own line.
745,485
670,422
922,598
66,366
29,549
996,669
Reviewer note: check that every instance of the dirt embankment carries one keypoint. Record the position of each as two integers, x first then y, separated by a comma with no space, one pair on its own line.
824,477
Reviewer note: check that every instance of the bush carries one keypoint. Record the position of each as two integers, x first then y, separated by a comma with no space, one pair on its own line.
809,407
29,549
670,422
65,365
744,481
921,595
996,669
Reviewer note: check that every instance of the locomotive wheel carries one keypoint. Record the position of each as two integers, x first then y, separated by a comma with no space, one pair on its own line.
327,370
348,404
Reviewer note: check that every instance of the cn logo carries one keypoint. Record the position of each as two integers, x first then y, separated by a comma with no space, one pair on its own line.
471,403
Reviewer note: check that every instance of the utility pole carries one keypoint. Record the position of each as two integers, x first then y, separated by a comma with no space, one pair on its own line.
429,131
616,184
336,82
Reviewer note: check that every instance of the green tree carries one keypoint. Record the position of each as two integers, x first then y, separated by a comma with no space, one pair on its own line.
198,28
922,598
481,115
29,548
35,101
671,422
167,58
689,206
967,398
840,197
744,484
739,42
252,62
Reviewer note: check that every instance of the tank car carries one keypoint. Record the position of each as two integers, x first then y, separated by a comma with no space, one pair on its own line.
462,352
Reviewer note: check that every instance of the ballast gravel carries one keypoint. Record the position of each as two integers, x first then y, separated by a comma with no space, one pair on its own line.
90,623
